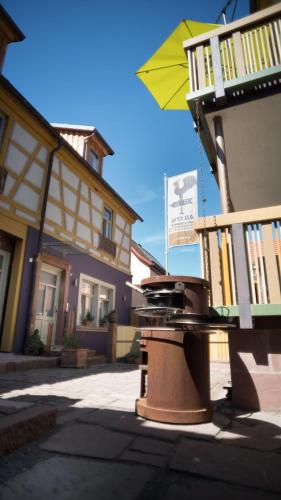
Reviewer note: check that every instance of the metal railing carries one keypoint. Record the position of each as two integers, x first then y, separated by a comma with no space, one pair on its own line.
262,242
244,47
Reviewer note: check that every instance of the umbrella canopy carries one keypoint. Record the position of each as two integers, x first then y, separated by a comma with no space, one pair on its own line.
165,74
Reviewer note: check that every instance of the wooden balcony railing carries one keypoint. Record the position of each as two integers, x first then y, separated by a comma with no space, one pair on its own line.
244,47
241,256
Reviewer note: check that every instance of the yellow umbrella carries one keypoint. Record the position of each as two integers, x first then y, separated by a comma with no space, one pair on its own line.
165,74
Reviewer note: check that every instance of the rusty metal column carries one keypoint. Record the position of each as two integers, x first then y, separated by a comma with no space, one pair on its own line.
221,166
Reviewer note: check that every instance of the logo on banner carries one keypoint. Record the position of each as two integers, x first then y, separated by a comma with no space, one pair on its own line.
182,209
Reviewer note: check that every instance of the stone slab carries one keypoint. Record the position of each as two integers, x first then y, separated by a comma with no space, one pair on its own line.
262,436
68,478
88,441
228,463
125,421
12,405
72,415
122,404
150,445
24,426
144,458
213,490
94,402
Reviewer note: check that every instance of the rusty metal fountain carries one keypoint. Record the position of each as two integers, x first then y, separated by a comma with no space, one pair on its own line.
175,380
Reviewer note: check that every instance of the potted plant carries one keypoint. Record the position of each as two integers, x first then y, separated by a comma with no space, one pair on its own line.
104,321
88,320
34,345
73,356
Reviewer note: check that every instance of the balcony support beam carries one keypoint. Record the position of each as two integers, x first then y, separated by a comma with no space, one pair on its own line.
221,166
242,278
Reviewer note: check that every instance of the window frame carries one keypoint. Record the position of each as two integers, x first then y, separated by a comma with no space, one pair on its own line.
3,126
96,164
107,223
96,282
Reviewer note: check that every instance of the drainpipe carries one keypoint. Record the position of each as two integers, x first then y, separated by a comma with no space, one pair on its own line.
37,257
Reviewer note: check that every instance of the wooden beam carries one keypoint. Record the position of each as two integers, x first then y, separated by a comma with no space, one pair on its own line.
259,17
245,216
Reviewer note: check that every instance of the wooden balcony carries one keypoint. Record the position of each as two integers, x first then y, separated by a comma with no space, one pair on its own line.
230,58
241,257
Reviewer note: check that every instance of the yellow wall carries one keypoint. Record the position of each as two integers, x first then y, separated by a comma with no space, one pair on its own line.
19,231
25,153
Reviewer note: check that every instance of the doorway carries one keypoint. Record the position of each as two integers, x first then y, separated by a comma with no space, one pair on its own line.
5,258
47,301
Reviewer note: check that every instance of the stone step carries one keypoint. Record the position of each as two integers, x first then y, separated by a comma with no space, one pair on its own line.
96,359
23,422
21,362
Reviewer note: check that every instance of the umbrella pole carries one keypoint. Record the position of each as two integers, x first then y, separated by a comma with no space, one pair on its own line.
166,224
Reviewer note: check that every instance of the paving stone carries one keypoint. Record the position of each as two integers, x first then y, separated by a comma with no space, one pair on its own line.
269,417
123,404
88,441
150,445
228,463
131,423
261,436
94,402
68,478
144,458
72,415
200,431
14,405
213,490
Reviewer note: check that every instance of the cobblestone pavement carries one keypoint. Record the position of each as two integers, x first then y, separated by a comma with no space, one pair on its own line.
100,449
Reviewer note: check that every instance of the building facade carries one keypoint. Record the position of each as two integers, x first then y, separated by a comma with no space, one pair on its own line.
143,265
235,100
65,234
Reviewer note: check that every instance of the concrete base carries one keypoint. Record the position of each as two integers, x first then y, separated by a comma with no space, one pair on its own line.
255,362
170,416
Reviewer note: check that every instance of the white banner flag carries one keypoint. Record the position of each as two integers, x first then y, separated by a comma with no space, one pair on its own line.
182,208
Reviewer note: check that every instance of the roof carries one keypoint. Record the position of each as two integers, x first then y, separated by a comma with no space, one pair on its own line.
12,31
147,258
84,128
66,145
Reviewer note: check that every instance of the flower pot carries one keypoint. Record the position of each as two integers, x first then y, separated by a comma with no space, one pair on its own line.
74,358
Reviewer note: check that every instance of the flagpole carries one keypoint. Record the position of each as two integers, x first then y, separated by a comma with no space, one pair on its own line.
166,223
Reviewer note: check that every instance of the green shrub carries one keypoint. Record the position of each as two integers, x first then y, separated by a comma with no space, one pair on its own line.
34,344
89,316
70,341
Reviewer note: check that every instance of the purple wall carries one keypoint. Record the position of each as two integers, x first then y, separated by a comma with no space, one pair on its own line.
80,263
25,291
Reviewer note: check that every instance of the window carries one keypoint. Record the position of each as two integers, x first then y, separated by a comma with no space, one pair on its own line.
96,300
93,159
107,223
3,122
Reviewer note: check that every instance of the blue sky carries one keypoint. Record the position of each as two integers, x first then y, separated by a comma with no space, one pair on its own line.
77,65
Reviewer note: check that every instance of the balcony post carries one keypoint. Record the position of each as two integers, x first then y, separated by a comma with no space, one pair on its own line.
242,279
216,60
221,166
